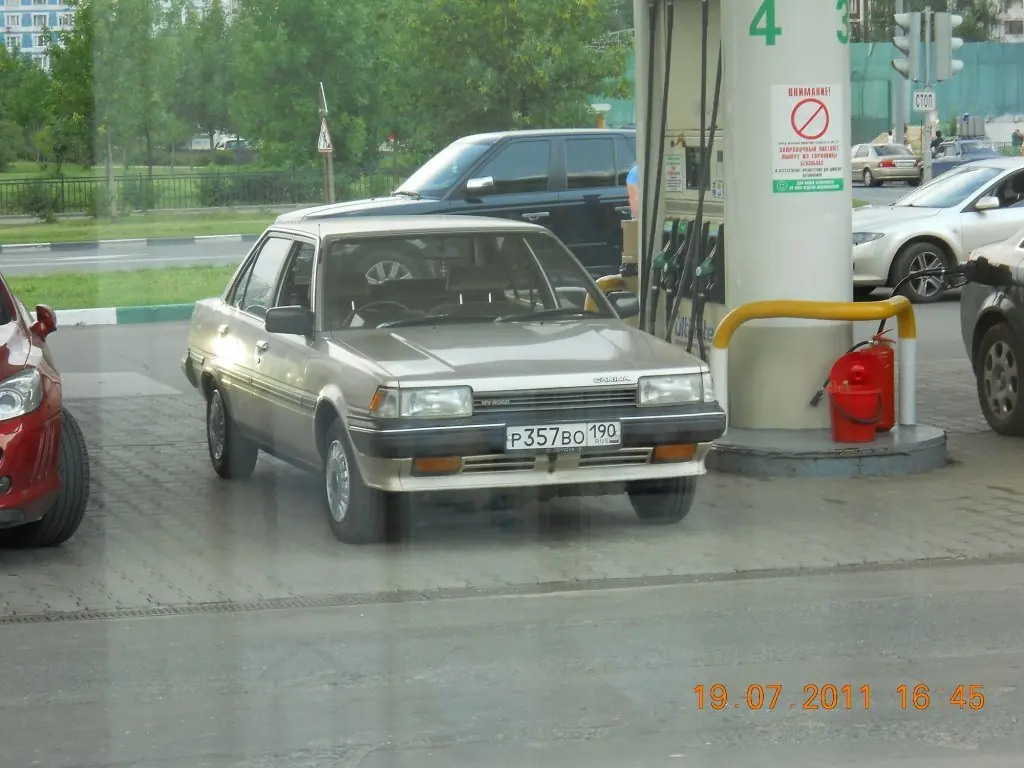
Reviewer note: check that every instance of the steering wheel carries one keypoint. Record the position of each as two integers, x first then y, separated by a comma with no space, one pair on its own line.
373,304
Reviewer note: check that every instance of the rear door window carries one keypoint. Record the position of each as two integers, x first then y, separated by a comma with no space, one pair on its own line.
590,163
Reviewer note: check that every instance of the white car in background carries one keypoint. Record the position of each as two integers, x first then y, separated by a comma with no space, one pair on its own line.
938,223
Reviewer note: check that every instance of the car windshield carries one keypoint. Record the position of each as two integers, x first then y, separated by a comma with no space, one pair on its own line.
443,170
454,278
890,150
949,189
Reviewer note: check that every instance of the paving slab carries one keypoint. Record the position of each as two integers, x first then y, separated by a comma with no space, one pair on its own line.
164,531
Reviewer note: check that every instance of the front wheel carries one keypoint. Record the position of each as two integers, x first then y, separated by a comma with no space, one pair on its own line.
62,520
662,502
997,372
915,258
356,513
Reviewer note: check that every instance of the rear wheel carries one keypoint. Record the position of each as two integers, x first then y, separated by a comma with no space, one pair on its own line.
62,519
356,513
662,502
232,454
998,369
384,266
869,179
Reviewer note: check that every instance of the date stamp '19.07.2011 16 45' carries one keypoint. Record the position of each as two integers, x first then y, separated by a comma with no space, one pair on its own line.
829,696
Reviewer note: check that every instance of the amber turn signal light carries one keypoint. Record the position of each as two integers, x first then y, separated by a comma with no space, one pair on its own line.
674,452
437,465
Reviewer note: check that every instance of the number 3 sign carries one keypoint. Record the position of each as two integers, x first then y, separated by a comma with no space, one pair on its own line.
764,24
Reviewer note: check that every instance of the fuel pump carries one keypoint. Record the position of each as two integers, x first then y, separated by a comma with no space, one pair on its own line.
681,255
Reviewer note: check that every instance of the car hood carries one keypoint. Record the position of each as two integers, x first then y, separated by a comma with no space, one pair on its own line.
872,218
374,205
568,353
15,346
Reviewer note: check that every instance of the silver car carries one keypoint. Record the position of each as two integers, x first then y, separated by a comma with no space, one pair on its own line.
502,369
937,224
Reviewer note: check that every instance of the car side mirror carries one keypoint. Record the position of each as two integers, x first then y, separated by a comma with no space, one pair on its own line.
295,321
46,321
479,185
987,203
625,304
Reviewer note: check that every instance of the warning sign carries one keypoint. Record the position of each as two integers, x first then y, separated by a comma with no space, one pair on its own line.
674,173
324,144
806,131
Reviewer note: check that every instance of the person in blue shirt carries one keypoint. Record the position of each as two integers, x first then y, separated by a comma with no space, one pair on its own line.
633,190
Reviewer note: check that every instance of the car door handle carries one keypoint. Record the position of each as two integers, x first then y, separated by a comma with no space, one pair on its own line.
222,329
536,216
262,346
623,209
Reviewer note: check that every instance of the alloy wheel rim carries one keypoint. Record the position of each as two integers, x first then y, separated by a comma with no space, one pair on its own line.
339,481
386,270
1001,380
927,286
216,426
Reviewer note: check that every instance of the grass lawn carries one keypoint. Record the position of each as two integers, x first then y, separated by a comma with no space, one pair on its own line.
84,290
138,225
860,203
23,170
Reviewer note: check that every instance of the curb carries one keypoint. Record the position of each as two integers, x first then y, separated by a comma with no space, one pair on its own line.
93,245
156,313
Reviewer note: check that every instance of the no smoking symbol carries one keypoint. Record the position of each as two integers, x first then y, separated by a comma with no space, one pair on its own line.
810,119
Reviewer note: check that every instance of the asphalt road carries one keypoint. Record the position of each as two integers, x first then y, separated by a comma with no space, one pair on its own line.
883,195
122,256
590,678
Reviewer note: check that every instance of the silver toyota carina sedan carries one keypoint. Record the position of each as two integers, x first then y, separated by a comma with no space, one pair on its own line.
499,368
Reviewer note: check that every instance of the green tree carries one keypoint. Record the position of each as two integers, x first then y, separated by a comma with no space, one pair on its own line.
282,51
204,82
468,66
71,101
23,92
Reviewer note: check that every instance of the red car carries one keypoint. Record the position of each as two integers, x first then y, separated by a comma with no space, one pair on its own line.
44,465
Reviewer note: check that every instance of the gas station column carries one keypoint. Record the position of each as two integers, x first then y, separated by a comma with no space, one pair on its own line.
786,81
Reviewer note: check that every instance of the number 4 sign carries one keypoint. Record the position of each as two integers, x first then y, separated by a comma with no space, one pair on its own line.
764,23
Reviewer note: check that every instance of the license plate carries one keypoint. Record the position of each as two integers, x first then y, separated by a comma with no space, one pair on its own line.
551,438
904,163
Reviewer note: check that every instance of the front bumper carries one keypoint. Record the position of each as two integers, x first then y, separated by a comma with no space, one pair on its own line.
387,454
29,467
872,261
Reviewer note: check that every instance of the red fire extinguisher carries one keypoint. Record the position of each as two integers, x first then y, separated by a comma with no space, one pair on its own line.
878,359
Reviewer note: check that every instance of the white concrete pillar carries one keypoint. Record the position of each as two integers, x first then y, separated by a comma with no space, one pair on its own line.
787,200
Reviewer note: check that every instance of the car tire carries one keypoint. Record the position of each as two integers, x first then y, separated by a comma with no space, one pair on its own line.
914,257
914,183
232,454
997,371
869,179
62,520
382,266
361,515
662,502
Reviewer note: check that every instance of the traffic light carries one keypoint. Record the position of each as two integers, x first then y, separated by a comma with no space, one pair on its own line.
946,45
909,44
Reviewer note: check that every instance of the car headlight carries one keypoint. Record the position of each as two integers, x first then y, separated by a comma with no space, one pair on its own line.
671,390
859,238
20,394
422,403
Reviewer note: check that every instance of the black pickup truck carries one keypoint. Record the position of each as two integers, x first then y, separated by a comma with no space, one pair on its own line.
572,181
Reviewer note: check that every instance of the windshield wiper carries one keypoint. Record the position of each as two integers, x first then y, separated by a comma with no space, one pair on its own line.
549,314
437,320
406,193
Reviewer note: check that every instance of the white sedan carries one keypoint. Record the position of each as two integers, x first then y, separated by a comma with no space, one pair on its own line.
938,223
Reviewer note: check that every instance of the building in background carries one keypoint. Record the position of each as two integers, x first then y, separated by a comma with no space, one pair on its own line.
1011,21
26,23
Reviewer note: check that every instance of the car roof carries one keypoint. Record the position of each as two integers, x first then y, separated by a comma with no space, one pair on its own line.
1002,163
402,225
486,138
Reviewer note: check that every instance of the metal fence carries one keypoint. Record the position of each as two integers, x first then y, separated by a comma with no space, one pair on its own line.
141,192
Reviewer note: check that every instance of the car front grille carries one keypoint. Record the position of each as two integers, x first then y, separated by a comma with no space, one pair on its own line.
553,399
